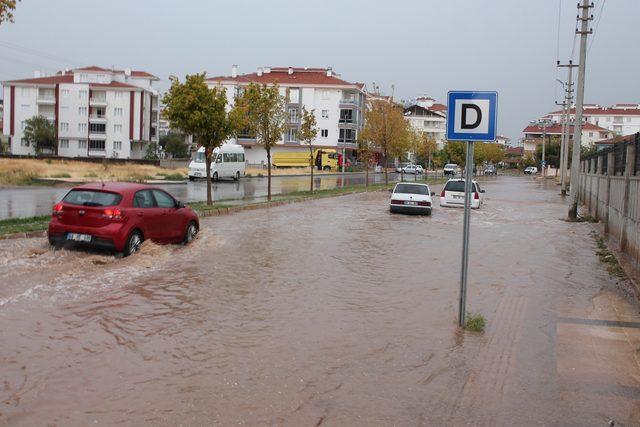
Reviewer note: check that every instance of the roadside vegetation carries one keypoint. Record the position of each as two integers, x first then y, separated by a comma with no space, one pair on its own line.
24,225
608,258
29,171
475,322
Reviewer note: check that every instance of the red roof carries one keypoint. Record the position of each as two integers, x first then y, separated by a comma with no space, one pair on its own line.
600,111
280,75
50,80
438,107
556,128
617,139
113,84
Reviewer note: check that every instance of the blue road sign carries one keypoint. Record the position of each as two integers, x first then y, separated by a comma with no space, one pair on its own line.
472,116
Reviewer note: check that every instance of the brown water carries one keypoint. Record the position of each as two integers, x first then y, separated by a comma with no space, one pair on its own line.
330,312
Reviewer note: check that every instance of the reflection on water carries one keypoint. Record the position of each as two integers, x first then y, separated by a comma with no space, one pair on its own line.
33,201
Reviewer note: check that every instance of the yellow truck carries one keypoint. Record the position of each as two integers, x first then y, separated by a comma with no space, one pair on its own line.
324,159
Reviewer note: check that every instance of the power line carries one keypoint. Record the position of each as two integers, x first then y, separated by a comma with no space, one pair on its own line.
38,53
595,30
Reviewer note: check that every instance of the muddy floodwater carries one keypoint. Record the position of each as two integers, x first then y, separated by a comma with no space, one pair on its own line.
330,312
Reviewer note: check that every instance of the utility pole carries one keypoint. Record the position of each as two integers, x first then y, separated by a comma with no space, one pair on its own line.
584,19
544,143
566,113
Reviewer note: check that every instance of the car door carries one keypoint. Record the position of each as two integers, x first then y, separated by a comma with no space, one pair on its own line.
169,219
145,210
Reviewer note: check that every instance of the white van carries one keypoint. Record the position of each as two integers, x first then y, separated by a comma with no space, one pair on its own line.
227,162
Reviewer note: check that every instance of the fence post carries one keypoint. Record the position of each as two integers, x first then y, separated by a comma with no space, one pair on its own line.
610,168
628,171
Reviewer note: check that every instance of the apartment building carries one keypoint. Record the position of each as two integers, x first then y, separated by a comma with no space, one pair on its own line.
97,112
590,135
337,104
621,119
428,117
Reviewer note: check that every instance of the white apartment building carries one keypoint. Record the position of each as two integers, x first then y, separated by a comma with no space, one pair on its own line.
97,112
428,117
621,119
338,106
590,135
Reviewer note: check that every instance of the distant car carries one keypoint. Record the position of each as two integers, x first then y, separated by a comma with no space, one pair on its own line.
377,169
531,170
491,170
411,198
453,194
451,169
413,169
120,216
401,166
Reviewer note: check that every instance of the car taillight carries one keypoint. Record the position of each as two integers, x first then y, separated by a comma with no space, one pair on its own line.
442,194
57,209
476,196
112,214
396,202
424,203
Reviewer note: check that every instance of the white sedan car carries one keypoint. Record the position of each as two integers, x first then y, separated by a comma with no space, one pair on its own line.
411,198
413,169
453,194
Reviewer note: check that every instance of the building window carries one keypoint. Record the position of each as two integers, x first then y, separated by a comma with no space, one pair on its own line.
83,94
294,96
117,145
65,92
24,142
347,135
82,143
591,134
64,108
346,116
118,111
117,128
97,128
64,143
325,114
23,125
82,128
293,115
64,127
628,119
292,135
96,145
324,133
82,111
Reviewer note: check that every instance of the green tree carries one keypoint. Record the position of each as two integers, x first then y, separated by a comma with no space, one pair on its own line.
264,114
198,110
454,152
308,133
386,128
153,151
6,10
493,153
41,134
174,145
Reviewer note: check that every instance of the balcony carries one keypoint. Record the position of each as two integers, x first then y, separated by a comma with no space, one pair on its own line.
349,143
97,118
349,102
98,101
43,99
97,135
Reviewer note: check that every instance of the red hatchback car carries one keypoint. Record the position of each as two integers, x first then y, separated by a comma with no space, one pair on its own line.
120,216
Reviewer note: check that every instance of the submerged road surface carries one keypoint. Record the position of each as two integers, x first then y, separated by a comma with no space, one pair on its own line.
329,312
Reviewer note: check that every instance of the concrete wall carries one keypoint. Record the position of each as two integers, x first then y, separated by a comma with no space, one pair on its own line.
615,201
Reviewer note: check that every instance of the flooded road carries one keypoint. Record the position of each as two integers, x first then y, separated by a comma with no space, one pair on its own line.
330,312
29,201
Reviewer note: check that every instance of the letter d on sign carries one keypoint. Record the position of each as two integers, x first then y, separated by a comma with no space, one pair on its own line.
465,124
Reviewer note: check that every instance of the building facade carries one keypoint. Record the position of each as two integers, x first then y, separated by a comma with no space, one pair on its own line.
97,112
338,106
428,117
590,135
621,119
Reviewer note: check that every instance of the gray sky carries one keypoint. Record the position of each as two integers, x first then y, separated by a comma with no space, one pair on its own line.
421,47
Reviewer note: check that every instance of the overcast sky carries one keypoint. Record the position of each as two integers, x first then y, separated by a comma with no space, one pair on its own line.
422,47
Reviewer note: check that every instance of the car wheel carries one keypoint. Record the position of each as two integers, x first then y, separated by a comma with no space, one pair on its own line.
190,233
237,177
215,176
133,243
191,178
326,168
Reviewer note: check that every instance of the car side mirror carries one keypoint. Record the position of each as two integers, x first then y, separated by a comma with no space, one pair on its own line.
179,205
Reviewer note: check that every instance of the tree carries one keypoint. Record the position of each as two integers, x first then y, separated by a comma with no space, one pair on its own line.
198,110
153,151
386,128
6,10
264,114
454,152
40,133
174,145
308,132
493,153
365,154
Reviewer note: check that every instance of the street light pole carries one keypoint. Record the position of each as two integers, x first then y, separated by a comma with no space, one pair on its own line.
544,143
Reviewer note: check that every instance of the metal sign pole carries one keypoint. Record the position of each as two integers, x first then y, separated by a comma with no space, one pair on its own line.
465,234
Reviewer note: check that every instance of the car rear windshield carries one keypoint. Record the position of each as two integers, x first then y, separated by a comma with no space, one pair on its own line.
450,166
92,198
455,186
412,189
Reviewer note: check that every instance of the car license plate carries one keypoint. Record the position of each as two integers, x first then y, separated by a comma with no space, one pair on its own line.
79,237
411,203
458,197
197,174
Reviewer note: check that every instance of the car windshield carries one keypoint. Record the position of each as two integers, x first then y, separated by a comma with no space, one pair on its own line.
199,157
455,186
450,166
92,198
412,189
